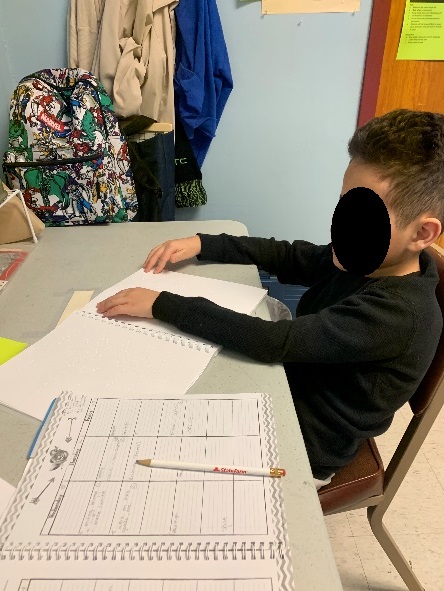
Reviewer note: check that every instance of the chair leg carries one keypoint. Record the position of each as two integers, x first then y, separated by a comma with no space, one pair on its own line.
375,515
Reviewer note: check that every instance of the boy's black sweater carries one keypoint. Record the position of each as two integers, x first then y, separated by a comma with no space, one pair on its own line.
355,353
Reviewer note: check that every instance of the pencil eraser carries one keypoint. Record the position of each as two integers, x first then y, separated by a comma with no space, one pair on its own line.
284,472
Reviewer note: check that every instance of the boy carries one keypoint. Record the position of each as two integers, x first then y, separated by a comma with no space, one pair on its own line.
361,342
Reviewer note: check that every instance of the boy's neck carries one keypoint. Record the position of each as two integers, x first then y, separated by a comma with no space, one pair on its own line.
404,268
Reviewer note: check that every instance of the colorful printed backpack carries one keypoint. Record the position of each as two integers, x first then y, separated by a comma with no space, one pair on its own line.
66,153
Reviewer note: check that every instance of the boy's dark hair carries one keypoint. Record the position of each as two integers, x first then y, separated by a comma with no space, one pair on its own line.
407,149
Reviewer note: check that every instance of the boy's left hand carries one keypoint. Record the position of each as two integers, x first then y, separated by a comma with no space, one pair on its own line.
136,301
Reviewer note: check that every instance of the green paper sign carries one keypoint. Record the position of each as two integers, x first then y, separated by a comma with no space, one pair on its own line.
422,36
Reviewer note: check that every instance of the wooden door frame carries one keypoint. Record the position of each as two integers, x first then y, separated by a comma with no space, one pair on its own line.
373,66
373,61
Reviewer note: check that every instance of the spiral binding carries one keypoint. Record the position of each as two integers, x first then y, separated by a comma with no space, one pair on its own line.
154,333
146,551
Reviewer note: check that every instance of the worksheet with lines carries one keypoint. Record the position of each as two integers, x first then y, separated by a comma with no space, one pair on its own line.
106,493
84,497
62,576
46,584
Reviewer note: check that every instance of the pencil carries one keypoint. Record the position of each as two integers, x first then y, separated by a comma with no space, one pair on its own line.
241,470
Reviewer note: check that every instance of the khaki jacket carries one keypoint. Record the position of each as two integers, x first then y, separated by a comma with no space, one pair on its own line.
84,18
133,55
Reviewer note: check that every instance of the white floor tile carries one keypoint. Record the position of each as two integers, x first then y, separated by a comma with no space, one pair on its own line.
418,506
379,571
359,523
434,454
338,526
424,553
426,556
349,564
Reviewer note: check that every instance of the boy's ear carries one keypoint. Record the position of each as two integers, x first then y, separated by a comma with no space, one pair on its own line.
428,232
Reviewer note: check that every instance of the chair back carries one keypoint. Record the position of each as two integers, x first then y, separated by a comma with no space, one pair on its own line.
435,374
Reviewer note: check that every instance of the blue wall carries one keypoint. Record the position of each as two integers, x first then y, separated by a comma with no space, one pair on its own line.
280,152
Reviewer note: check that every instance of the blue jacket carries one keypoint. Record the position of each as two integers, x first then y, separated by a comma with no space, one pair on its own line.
202,81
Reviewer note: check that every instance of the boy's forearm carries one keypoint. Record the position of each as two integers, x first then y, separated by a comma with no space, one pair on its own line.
354,331
212,323
240,250
295,263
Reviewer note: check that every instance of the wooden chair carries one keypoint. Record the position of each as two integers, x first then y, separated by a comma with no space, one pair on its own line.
365,483
440,241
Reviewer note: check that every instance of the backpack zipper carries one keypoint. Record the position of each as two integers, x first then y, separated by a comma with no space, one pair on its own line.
50,162
87,81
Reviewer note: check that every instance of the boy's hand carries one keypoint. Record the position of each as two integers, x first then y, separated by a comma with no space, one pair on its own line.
136,301
172,251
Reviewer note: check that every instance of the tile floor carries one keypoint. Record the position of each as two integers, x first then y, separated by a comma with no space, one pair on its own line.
415,520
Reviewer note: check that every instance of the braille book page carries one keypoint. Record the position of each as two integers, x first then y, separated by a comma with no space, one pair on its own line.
103,358
86,498
122,357
235,296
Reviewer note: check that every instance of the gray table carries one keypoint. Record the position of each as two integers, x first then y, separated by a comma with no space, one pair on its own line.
93,258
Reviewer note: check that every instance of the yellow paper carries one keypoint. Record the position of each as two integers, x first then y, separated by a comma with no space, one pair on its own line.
305,6
422,36
9,348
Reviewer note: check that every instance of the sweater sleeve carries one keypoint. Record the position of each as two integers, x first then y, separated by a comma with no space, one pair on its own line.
295,263
367,327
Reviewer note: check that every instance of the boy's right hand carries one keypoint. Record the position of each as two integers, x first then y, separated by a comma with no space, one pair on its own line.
172,251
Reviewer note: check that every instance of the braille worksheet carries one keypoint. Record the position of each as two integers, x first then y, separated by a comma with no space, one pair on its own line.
85,500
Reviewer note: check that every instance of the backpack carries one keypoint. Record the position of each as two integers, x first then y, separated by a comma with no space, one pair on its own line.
66,153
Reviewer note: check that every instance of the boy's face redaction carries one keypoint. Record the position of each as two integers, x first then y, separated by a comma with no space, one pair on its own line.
359,227
359,212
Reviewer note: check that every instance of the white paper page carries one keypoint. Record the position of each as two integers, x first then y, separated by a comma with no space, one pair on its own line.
89,490
90,353
137,575
103,358
6,492
235,296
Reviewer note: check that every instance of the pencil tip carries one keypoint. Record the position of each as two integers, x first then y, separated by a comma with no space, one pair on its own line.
146,463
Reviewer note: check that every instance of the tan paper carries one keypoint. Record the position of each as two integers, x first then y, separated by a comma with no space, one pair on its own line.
77,301
306,6
13,223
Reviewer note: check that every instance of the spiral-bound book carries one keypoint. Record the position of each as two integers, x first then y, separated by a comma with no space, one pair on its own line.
122,357
86,516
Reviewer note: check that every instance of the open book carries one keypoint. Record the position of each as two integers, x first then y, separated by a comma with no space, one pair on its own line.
86,512
122,357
